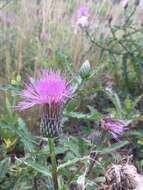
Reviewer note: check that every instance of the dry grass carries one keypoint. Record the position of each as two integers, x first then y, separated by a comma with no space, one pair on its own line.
37,29
21,46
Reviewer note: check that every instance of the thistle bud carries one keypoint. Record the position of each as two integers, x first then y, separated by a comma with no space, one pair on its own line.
85,70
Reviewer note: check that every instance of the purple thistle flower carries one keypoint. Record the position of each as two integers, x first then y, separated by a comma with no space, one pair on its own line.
115,127
83,17
50,88
51,91
83,11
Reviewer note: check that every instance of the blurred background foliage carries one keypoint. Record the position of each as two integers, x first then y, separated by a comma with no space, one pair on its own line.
39,34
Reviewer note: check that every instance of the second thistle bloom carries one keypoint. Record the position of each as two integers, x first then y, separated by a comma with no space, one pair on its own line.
83,11
50,91
83,17
115,127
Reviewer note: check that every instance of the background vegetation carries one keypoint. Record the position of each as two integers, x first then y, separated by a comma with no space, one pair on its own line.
39,34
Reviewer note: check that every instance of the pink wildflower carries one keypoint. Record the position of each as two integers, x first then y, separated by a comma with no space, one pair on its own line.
115,127
83,17
83,11
50,89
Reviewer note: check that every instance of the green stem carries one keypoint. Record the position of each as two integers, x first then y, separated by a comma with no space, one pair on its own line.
53,162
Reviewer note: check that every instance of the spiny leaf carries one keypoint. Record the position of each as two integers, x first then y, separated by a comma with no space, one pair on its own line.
39,168
78,115
114,147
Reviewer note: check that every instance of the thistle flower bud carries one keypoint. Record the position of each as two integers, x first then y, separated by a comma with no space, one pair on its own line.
85,70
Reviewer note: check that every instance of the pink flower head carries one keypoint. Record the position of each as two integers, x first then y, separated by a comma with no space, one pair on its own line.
115,127
50,89
83,11
83,17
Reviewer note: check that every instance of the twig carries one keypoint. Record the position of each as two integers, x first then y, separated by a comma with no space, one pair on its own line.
92,40
119,41
130,16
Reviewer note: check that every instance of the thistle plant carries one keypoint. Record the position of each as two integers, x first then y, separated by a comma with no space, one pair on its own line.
51,91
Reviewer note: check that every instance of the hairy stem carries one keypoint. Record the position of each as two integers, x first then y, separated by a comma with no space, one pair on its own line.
53,162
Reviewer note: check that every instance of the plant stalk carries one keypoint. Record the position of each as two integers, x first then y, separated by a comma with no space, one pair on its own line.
53,162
